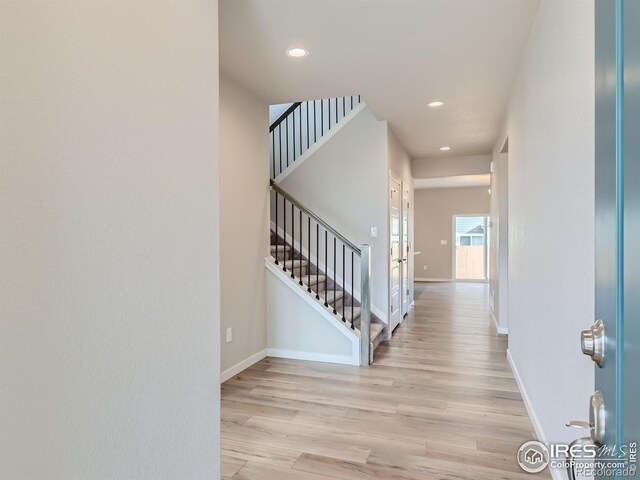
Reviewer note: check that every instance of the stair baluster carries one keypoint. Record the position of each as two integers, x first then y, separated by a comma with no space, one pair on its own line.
308,254
293,241
326,266
277,239
352,296
317,256
334,276
300,254
343,284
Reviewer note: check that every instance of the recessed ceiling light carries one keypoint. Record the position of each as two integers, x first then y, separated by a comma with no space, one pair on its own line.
445,149
435,103
297,52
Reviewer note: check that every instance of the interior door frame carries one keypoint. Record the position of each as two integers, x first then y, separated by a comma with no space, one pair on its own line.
396,179
405,295
453,247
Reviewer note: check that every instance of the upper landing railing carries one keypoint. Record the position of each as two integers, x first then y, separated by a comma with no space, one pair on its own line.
302,125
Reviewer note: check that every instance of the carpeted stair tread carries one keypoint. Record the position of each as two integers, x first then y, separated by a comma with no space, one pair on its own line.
329,297
280,248
313,279
347,313
295,264
375,330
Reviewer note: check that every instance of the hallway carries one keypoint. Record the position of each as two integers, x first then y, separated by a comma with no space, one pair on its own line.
439,402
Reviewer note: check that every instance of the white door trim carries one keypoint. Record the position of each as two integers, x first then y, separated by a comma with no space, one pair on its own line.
395,179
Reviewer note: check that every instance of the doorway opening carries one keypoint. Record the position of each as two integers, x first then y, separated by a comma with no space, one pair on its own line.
470,255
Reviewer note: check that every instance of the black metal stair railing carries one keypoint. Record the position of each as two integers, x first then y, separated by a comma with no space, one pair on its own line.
325,277
302,125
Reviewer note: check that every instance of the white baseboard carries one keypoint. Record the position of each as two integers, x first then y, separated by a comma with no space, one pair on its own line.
556,474
525,398
501,330
314,357
418,279
243,365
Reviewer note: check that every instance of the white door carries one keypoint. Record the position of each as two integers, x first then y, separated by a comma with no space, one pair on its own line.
395,267
405,250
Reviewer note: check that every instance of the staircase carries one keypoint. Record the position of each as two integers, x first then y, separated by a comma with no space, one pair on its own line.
334,272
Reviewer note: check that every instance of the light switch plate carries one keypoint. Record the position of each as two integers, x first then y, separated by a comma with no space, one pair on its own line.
374,232
229,334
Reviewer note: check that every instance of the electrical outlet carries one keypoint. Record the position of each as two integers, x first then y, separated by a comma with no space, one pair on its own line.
444,242
374,232
229,334
424,267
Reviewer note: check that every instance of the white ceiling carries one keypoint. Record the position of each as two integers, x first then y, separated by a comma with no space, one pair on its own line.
398,54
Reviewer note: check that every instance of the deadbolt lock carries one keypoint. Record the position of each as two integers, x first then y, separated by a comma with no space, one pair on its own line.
593,342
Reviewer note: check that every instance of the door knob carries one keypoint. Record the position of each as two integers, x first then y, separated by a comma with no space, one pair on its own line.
592,342
596,423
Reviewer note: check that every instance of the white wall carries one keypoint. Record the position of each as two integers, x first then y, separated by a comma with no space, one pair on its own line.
301,329
345,183
244,221
499,240
550,126
276,110
450,166
400,166
109,293
434,211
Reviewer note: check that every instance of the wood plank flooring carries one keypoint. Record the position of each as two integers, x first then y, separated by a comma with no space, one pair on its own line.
439,403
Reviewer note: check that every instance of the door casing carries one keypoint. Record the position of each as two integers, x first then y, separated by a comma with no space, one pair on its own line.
395,267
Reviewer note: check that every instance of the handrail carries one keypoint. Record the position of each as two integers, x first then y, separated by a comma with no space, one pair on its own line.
307,211
286,113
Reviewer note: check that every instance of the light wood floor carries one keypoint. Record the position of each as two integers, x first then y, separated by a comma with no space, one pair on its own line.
439,403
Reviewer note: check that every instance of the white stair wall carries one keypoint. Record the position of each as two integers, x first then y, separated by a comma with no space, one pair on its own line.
301,329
